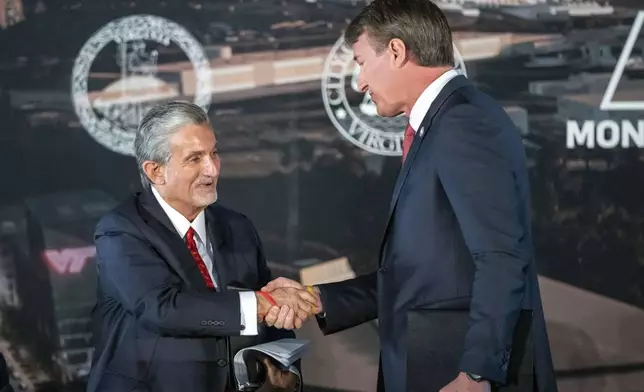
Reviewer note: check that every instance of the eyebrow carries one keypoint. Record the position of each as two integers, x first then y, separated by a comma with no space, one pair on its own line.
200,152
193,154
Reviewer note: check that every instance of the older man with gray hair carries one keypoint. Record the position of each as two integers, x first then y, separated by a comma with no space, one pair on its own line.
167,259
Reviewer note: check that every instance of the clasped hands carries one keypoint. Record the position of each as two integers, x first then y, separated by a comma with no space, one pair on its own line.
294,303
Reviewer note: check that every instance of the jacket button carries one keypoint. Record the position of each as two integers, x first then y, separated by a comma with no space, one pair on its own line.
382,269
221,362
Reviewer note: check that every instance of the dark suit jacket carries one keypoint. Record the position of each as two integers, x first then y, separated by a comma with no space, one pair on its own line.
458,241
157,327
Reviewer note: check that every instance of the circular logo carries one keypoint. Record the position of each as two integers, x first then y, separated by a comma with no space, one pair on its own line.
111,113
353,112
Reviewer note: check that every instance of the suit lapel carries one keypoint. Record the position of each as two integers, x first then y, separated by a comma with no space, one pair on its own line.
179,256
218,233
423,133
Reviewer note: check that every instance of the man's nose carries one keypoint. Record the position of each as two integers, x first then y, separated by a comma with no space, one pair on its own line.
211,166
363,86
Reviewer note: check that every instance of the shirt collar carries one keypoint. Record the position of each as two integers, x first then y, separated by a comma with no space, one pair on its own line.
180,223
424,102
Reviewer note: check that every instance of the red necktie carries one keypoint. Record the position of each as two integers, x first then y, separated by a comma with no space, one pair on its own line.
409,138
192,247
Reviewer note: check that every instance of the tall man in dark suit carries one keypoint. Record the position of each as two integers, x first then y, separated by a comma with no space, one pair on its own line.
456,291
166,259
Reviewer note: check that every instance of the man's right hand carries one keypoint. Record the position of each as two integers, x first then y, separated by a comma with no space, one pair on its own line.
283,318
294,307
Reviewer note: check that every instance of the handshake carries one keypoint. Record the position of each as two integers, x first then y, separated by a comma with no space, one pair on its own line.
286,304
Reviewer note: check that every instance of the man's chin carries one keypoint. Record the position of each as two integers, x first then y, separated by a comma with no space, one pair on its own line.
384,112
206,199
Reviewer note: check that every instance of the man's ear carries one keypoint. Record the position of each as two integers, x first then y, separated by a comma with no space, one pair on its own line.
400,54
154,171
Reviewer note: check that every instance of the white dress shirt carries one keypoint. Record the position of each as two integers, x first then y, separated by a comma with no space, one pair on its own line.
424,102
247,299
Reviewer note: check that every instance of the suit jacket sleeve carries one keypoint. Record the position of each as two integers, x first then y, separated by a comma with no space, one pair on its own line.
479,180
348,303
133,274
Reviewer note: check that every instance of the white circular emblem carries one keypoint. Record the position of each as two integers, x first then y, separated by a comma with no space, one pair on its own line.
111,114
353,113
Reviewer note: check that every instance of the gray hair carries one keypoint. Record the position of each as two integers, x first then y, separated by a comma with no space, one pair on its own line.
157,126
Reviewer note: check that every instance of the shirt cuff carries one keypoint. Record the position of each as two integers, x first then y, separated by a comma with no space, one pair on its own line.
248,306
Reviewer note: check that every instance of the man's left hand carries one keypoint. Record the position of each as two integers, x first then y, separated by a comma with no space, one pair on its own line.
277,380
462,383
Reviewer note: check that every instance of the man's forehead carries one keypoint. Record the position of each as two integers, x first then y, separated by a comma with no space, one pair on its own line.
357,52
361,46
